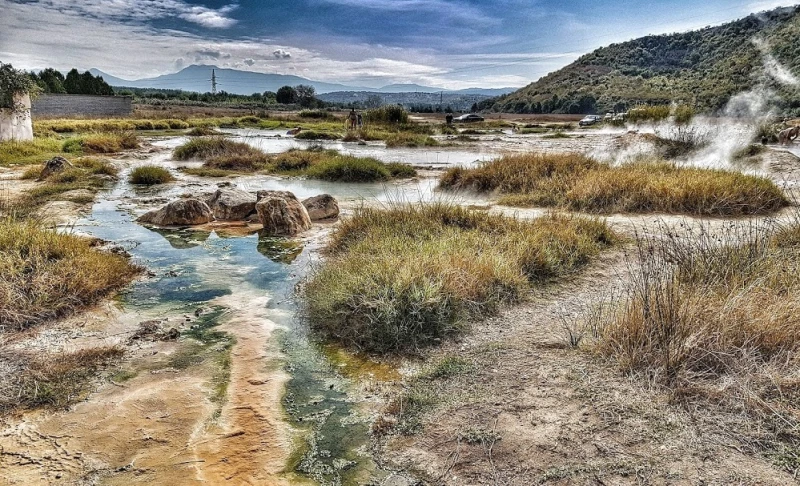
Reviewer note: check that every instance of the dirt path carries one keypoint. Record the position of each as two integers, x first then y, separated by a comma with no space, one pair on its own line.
535,411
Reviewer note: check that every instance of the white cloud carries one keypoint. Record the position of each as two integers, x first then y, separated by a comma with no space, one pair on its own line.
37,35
143,10
762,5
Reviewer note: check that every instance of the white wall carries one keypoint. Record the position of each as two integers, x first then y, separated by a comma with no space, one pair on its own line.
17,126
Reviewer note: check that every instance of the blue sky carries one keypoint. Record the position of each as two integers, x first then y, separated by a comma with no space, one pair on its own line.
444,43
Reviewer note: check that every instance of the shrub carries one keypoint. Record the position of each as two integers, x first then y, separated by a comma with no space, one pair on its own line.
404,139
48,275
386,114
649,113
202,132
150,175
316,135
346,168
401,171
207,147
401,278
160,125
101,143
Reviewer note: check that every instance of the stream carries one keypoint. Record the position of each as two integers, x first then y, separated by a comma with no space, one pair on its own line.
193,271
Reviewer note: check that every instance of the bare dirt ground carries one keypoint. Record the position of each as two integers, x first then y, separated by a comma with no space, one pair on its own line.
532,410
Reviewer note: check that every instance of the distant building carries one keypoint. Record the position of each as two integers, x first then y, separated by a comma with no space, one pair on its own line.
82,105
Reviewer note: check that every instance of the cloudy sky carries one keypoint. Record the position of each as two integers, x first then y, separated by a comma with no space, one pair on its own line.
444,43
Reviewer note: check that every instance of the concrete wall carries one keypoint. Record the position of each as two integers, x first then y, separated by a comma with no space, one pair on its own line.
82,105
16,125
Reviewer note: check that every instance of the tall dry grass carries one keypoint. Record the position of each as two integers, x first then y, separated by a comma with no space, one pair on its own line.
48,275
714,316
400,278
577,182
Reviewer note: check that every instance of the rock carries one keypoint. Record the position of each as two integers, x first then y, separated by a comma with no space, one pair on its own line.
232,204
320,207
183,212
54,166
281,213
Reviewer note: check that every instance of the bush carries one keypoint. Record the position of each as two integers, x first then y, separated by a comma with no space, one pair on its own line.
207,147
404,139
48,275
346,168
386,114
581,183
101,143
712,316
401,171
202,132
315,135
150,175
402,278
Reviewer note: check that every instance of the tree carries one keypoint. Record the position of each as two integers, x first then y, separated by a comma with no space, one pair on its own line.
305,95
373,101
286,95
72,83
53,81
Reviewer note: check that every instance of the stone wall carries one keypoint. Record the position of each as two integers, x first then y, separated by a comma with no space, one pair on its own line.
16,125
67,105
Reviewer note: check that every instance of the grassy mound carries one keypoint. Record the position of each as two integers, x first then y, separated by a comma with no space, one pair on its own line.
316,135
47,275
101,143
224,157
405,139
580,183
402,278
150,175
346,168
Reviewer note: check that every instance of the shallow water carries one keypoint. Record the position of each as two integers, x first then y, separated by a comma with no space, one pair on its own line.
193,269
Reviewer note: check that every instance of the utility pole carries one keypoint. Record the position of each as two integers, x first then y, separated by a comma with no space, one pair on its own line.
213,81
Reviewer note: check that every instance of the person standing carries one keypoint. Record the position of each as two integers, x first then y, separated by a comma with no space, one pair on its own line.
353,118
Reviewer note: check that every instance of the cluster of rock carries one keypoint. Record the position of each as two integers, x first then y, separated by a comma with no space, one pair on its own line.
280,212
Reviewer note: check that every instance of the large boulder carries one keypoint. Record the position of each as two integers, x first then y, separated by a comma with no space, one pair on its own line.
54,166
281,213
320,207
232,204
183,212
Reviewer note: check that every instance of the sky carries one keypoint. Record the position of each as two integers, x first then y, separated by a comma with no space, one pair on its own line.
441,43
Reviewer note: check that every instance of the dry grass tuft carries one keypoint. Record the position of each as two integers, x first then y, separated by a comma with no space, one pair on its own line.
404,277
580,183
47,275
150,175
714,318
33,380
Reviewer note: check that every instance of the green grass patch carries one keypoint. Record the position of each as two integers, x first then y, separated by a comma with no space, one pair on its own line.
150,175
317,135
101,143
36,151
404,277
580,183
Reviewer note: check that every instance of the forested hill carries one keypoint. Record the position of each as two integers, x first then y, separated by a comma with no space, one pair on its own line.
704,67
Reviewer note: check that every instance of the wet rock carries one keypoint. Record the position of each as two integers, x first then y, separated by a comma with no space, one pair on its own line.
320,207
232,204
281,213
183,212
54,166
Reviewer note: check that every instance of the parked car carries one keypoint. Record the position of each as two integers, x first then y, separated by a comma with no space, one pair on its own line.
471,117
590,120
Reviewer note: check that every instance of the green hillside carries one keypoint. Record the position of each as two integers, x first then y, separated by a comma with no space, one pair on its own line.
703,68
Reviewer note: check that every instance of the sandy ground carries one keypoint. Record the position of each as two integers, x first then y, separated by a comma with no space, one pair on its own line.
546,413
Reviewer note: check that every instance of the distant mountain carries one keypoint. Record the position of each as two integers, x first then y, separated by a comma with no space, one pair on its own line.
704,67
198,78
